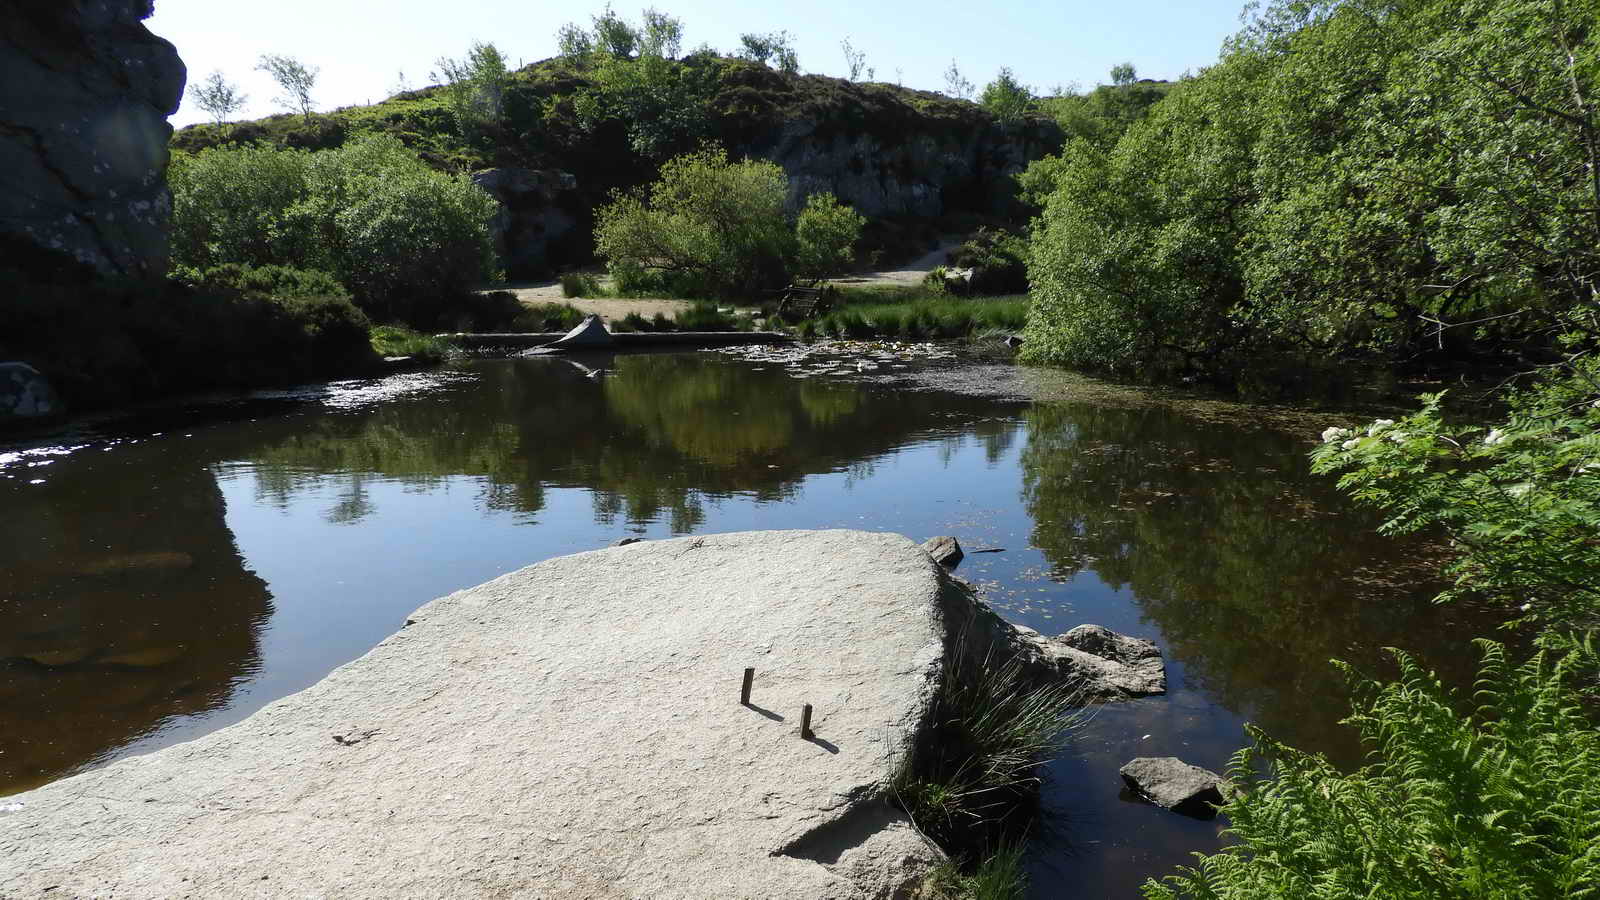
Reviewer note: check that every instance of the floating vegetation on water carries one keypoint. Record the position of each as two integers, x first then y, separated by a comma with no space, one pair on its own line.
844,357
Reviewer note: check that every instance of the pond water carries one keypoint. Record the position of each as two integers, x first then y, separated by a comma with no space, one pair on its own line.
164,576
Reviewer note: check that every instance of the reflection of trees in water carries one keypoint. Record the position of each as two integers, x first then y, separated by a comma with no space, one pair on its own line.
654,439
1256,572
124,602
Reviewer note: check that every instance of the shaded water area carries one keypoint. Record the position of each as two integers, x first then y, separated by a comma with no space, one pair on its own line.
170,574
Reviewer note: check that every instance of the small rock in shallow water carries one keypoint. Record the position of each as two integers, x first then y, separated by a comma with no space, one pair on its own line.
1171,783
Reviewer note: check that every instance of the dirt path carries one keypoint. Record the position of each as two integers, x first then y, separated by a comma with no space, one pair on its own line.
911,273
611,309
607,309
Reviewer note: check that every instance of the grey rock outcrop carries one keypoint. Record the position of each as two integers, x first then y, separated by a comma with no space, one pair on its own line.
591,332
83,132
568,730
25,394
923,173
1108,666
945,550
538,207
1100,663
1171,783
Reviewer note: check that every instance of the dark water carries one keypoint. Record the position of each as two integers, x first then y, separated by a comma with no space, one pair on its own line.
163,578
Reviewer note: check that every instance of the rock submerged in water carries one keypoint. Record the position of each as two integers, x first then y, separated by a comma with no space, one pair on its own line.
1171,783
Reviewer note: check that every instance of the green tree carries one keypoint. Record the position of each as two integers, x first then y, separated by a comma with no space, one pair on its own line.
718,228
825,235
574,42
775,49
475,88
614,36
660,34
217,96
1124,74
662,104
294,79
855,62
956,85
1007,98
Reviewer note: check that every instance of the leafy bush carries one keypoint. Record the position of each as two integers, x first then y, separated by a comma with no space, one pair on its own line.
579,284
104,342
1344,177
475,88
398,235
1504,802
714,228
1520,502
825,233
278,281
998,260
547,317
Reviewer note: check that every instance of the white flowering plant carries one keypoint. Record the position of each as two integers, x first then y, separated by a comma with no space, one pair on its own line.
1520,501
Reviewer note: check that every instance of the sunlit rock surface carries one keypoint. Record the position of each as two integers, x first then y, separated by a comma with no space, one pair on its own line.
83,131
570,729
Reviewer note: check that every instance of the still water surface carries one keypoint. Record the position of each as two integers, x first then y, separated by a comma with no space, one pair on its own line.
164,577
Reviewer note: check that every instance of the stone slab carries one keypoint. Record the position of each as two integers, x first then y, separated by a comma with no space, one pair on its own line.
572,729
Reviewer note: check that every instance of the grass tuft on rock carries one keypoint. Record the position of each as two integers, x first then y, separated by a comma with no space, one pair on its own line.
971,783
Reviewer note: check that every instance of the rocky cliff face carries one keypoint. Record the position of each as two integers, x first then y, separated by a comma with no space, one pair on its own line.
83,146
918,173
539,210
545,218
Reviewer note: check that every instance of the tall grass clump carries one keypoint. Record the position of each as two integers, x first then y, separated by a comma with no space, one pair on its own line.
999,877
972,781
394,340
1501,802
937,318
704,316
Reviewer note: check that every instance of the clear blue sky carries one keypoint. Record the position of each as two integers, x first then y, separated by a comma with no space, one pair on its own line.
361,47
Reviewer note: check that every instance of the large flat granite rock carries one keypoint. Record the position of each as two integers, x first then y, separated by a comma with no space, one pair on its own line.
569,730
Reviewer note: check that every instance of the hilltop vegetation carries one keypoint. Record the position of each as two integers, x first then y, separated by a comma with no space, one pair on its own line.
546,122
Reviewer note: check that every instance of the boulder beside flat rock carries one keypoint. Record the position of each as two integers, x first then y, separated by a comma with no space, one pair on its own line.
572,729
1106,665
1171,783
945,550
1098,662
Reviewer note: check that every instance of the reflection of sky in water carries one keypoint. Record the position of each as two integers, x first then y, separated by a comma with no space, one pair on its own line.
351,503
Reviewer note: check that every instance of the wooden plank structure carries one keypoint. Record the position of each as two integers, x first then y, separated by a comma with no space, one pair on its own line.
803,301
